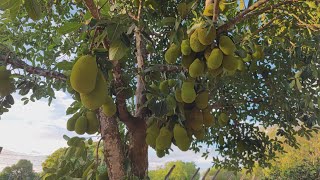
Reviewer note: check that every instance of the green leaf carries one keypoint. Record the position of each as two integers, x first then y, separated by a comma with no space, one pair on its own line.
15,9
33,8
168,21
69,27
241,5
7,4
64,65
117,50
250,2
299,86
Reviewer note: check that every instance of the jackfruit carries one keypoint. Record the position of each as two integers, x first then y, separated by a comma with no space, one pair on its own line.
177,95
187,60
109,108
93,122
226,45
152,134
81,125
258,54
181,137
84,74
172,82
185,47
195,120
171,105
247,58
215,72
241,66
195,44
160,153
172,54
230,63
6,87
223,119
208,11
188,94
200,134
95,98
163,141
214,61
196,69
208,119
164,87
207,52
202,100
4,73
206,36
72,122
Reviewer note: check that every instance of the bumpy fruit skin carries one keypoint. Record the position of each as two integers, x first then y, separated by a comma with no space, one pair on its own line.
152,134
200,134
202,100
172,54
188,94
109,108
164,87
206,36
195,121
72,122
214,61
163,141
195,44
187,60
226,45
230,63
185,47
208,119
196,69
81,125
95,98
223,119
84,74
181,137
93,122
177,95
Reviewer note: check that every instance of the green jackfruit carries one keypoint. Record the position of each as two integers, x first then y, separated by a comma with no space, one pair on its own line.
226,45
181,137
188,94
152,134
185,47
223,119
196,69
202,100
206,36
187,60
72,122
84,74
6,87
214,61
230,63
195,44
172,54
164,87
200,134
195,121
109,108
241,66
177,95
95,98
81,125
160,153
172,82
208,119
4,73
163,141
93,122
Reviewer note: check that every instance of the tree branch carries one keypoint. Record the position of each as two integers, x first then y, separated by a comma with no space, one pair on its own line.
163,68
215,11
92,8
18,63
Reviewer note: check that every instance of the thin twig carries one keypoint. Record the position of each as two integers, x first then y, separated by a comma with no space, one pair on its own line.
215,11
92,8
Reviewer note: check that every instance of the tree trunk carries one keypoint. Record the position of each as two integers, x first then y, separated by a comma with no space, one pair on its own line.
113,147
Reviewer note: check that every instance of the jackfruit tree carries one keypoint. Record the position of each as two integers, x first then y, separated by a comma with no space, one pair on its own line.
166,74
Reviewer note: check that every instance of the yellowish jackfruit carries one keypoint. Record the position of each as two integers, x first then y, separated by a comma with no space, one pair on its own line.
187,60
177,95
172,54
195,44
164,87
81,125
206,36
185,47
95,98
181,137
109,108
226,45
230,63
84,74
208,119
196,69
202,100
6,87
93,122
72,122
241,66
214,61
188,94
163,141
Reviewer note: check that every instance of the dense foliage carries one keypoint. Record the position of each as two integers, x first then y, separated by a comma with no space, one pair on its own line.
196,73
22,170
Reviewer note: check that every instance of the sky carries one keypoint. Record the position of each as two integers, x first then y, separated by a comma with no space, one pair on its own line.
37,129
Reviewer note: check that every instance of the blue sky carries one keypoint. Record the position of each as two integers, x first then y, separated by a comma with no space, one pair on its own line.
37,129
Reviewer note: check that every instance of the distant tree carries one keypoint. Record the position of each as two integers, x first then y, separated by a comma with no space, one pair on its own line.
53,159
23,170
183,170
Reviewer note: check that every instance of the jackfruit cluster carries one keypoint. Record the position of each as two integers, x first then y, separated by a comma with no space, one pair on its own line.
83,123
6,83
